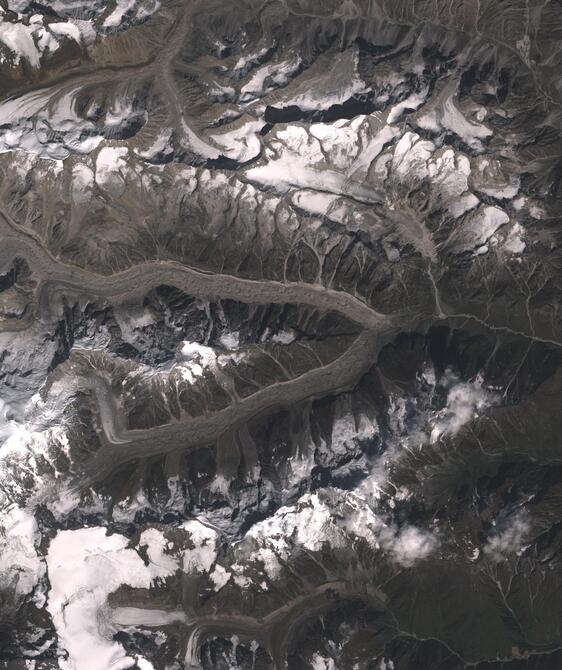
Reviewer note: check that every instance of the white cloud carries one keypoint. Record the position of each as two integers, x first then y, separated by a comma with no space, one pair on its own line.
334,518
412,544
465,400
508,537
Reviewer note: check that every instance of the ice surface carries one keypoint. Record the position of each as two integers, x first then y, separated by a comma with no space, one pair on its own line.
449,117
84,567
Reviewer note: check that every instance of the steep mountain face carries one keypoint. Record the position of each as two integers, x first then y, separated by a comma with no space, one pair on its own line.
280,335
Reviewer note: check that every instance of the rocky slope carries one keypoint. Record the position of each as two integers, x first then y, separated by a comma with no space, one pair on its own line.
280,335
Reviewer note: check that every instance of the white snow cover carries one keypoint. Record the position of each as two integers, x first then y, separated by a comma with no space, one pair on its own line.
125,510
284,337
304,524
162,144
450,117
25,451
334,518
502,192
46,124
448,171
462,205
321,204
220,577
62,7
21,567
247,61
162,564
320,662
195,359
347,430
29,120
411,155
110,164
413,424
120,109
67,29
135,616
373,148
30,42
197,145
8,426
82,183
490,177
412,102
267,77
295,160
241,144
19,39
27,42
300,467
139,10
515,243
479,227
332,86
342,141
202,556
84,567
230,340
133,320
116,16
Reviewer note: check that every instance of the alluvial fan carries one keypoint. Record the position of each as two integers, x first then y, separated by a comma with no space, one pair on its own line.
280,335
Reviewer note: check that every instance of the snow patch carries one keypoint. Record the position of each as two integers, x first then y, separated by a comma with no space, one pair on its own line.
110,165
295,160
26,42
220,577
320,662
450,117
230,340
332,86
241,144
478,228
84,567
21,567
514,243
332,518
203,555
133,10
412,102
268,77
161,564
196,359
